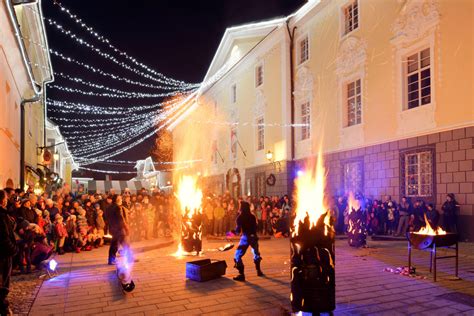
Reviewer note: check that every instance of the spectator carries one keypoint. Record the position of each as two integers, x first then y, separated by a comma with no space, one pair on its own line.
449,209
8,249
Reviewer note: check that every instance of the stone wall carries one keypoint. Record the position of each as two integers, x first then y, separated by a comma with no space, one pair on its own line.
453,167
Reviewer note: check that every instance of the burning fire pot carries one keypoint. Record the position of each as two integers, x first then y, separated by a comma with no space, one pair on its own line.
313,284
429,239
190,199
191,232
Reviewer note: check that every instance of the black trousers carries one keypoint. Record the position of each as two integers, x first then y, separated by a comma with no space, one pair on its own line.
120,240
5,273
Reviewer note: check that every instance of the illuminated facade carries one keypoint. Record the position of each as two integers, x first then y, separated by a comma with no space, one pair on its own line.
385,85
25,69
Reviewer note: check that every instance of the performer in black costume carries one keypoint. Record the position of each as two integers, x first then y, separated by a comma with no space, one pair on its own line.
247,225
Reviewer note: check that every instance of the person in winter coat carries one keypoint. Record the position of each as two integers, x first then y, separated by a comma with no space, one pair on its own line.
8,249
27,213
100,226
449,209
118,227
247,225
432,215
61,233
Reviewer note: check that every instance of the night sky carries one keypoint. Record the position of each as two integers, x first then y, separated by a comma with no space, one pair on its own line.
176,38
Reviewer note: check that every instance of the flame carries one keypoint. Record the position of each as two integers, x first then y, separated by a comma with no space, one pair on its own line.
353,203
310,196
190,199
180,252
428,230
189,196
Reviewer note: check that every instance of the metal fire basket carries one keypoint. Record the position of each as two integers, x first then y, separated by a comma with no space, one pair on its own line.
431,243
313,282
191,233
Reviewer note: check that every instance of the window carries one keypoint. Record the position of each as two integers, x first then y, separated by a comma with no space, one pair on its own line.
233,93
353,177
418,79
304,50
305,121
354,103
260,133
260,184
351,17
418,174
259,75
233,143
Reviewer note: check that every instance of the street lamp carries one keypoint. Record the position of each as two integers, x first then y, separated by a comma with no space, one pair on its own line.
275,164
269,155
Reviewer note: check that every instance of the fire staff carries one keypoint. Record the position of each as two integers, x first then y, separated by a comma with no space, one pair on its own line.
247,225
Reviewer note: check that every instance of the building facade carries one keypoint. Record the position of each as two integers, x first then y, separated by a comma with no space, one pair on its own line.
62,162
25,69
383,87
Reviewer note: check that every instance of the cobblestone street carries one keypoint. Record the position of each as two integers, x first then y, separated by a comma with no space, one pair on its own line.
86,285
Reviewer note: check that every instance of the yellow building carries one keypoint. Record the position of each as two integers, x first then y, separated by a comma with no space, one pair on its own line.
25,68
385,86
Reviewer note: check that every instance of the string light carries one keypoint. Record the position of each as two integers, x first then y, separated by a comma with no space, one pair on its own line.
99,86
108,171
83,42
229,123
101,72
104,40
95,109
114,120
155,162
123,95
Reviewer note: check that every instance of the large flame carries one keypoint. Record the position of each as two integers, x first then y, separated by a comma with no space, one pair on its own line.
428,230
353,203
189,195
310,196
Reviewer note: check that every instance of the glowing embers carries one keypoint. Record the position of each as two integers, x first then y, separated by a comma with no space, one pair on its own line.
190,199
357,230
312,246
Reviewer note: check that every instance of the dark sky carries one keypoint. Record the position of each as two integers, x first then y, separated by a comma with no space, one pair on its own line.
176,38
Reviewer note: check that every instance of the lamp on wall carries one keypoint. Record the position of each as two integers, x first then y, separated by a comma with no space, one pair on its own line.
56,156
276,164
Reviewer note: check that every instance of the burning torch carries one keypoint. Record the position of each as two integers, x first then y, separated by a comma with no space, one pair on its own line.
312,245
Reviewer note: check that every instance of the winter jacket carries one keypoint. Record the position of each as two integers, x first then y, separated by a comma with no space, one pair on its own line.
61,230
28,214
246,223
8,247
117,219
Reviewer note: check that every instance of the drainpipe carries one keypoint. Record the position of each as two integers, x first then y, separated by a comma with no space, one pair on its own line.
291,34
23,137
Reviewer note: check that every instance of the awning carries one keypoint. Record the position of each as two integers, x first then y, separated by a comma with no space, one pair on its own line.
119,186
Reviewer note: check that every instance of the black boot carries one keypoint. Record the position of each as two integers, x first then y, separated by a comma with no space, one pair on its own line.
257,266
240,267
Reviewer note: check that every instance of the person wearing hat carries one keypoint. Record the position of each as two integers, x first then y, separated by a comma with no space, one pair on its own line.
27,212
8,249
449,209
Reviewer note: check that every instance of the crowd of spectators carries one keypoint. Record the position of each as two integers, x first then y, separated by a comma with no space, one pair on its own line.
62,221
387,217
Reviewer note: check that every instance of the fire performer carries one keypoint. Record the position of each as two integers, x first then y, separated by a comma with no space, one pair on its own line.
247,225
116,216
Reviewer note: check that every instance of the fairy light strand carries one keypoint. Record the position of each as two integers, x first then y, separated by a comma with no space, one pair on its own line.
104,40
107,56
